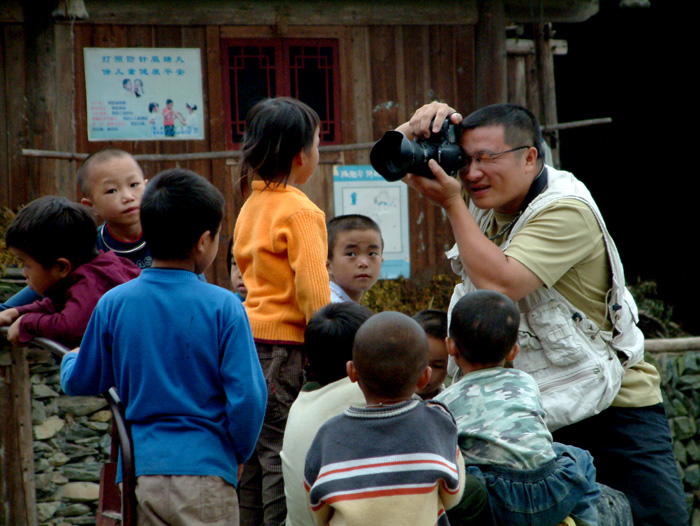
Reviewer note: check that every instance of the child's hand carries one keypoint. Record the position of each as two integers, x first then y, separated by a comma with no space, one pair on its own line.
8,316
13,333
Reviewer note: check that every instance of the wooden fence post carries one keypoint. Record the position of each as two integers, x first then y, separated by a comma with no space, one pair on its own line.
17,486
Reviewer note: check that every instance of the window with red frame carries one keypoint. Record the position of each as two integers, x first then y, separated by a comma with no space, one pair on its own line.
306,69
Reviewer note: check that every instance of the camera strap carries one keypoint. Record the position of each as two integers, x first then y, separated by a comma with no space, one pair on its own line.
539,183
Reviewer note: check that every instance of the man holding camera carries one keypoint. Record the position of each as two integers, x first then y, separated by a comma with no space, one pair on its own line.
535,234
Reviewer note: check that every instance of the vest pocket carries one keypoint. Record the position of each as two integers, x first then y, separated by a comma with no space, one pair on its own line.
552,324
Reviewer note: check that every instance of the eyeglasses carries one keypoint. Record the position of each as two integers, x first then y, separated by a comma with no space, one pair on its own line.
484,158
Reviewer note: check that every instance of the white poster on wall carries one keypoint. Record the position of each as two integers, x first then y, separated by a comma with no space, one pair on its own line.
144,94
358,189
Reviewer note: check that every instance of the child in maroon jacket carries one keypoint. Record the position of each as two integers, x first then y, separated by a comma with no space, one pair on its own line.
54,238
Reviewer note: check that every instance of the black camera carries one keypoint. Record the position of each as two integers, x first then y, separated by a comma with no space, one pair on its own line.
393,156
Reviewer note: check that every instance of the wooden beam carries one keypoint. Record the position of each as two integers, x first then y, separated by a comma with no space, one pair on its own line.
523,46
526,11
672,345
283,12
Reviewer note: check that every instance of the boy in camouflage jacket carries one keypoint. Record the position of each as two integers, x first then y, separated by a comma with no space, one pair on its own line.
500,419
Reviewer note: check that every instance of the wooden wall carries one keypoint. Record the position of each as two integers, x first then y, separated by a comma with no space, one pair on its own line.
386,72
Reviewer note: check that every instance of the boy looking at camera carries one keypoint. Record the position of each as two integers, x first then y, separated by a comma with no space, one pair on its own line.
355,247
395,461
434,323
112,184
54,238
180,353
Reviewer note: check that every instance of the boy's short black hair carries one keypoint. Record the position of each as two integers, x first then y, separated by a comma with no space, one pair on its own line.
177,207
54,227
349,222
85,169
329,337
390,353
433,321
484,326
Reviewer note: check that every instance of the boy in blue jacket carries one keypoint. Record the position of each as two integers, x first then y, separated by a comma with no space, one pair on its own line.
181,355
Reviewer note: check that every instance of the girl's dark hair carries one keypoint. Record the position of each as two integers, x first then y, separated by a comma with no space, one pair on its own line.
54,227
276,130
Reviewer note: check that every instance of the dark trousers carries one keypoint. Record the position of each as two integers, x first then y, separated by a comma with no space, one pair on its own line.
261,490
631,448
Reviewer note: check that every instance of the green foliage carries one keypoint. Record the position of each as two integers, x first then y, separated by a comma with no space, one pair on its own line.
410,295
6,257
654,313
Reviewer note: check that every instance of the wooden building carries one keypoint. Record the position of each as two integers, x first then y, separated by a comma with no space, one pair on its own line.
368,65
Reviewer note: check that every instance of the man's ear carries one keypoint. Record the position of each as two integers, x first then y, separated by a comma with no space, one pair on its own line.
352,372
424,377
63,267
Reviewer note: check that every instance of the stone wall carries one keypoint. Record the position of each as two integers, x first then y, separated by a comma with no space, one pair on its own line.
71,443
680,378
72,438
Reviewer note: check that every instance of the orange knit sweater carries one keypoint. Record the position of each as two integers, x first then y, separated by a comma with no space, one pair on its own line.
280,246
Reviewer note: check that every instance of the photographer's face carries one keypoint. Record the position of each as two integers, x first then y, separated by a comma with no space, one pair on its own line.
502,184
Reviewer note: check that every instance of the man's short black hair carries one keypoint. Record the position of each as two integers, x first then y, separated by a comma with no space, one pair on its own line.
520,125
54,227
433,321
348,222
177,207
329,337
484,326
390,353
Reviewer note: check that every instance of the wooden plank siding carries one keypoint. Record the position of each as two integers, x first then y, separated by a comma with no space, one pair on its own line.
386,72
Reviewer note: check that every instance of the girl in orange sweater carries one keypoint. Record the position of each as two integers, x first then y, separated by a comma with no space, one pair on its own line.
280,246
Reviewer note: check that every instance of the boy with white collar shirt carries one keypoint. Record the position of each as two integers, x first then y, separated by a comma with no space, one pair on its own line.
355,247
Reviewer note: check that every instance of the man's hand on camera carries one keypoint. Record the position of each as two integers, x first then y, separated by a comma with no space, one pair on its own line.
419,125
443,190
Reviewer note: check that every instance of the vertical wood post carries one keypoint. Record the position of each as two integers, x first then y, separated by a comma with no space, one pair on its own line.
17,485
548,99
491,70
40,61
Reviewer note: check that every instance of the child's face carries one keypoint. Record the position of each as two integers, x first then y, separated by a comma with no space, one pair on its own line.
357,261
115,190
39,278
438,363
237,279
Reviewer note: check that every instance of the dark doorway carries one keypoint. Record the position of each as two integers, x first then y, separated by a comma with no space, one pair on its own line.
633,64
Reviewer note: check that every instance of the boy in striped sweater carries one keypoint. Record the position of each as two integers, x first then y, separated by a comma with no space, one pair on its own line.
395,461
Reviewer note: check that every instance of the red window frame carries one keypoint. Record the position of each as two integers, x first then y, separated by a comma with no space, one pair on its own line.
282,69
